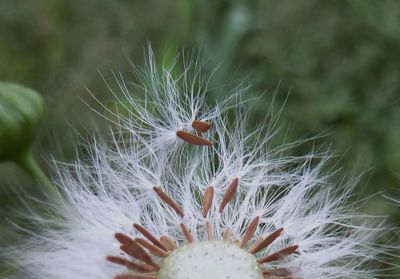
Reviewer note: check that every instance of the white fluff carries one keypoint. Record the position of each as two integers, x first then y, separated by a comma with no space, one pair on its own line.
112,189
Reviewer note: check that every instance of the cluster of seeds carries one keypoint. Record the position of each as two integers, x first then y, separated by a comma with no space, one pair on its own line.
182,192
220,258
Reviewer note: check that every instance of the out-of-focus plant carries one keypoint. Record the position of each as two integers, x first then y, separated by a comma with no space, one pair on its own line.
21,112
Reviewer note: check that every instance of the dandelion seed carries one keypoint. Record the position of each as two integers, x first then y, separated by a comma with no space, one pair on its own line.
201,126
192,139
167,109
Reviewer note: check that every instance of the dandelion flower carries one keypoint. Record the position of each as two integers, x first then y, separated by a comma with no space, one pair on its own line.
234,208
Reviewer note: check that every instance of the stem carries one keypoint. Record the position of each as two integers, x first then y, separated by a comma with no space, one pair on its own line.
30,165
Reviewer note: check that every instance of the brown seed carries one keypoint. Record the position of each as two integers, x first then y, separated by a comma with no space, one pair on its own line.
227,234
277,277
168,243
152,248
279,254
277,272
230,193
135,276
149,236
251,229
201,126
208,198
140,267
267,241
192,139
133,249
186,233
168,200
209,231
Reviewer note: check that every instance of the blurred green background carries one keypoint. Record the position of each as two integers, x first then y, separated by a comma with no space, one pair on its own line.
340,61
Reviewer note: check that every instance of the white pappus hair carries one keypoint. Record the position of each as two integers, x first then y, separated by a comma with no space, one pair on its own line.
178,169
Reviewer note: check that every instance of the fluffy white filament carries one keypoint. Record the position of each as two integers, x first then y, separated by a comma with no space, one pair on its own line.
112,189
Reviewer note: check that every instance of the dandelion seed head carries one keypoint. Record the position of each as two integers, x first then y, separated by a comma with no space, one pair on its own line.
149,205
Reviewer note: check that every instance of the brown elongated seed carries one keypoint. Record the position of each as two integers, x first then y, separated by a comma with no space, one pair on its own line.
251,229
267,241
277,271
132,248
168,243
135,250
230,193
140,267
227,234
152,248
209,231
201,126
168,200
135,276
279,254
255,243
149,236
192,139
138,255
208,198
124,239
186,233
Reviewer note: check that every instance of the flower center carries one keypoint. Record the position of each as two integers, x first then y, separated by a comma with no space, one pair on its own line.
211,260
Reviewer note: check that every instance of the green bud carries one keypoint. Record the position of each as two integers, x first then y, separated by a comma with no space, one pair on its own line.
21,111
